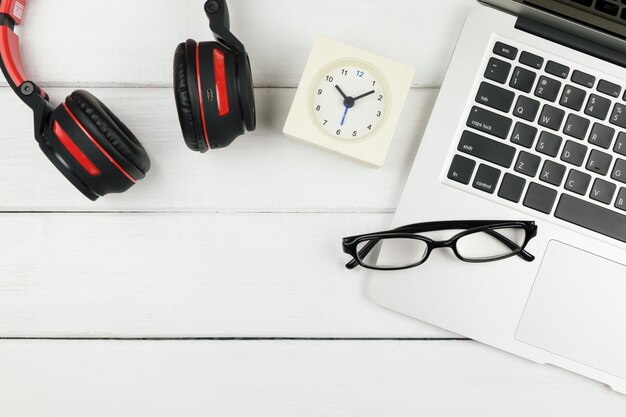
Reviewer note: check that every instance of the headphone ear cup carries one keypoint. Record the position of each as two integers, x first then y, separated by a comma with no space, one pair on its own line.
187,98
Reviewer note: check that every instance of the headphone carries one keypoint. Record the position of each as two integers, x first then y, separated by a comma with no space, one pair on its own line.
93,149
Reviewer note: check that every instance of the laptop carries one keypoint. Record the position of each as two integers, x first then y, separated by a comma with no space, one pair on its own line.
530,124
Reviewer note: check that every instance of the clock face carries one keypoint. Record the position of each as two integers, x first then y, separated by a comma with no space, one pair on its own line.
349,102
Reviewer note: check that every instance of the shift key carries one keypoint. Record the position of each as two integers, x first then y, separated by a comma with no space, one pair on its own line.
495,97
486,149
489,122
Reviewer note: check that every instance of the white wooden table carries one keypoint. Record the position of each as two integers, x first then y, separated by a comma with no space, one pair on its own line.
216,286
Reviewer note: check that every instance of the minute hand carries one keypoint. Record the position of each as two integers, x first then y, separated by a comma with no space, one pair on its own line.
364,95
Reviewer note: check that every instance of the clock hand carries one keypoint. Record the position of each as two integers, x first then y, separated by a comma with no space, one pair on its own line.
341,92
364,95
345,113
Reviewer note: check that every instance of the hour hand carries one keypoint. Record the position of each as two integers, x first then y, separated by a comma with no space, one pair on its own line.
341,92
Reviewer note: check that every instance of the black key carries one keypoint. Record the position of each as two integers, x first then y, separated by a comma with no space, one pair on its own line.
495,97
620,145
578,182
551,117
557,69
540,198
619,171
512,188
489,122
486,179
487,149
573,98
574,153
603,191
620,203
498,70
599,162
598,107
583,79
618,117
525,135
592,217
527,164
576,126
607,7
505,50
548,88
609,88
602,136
526,108
549,144
461,169
552,173
522,79
531,60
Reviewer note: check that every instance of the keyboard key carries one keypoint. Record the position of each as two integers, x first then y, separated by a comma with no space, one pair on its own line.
573,98
487,179
523,79
552,173
602,136
527,164
487,149
574,153
599,162
592,217
526,108
609,88
576,126
607,7
620,145
549,144
531,60
548,88
525,135
578,182
557,69
603,191
540,198
618,117
489,122
498,70
619,171
461,169
505,50
495,97
551,117
620,203
583,79
512,188
598,107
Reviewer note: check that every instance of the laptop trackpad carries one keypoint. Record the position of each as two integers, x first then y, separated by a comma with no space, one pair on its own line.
577,309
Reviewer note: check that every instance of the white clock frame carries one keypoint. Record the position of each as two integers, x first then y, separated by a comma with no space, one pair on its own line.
326,55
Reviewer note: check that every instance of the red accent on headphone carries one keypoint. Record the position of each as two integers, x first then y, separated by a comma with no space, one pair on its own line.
75,151
206,135
104,152
10,51
221,86
14,8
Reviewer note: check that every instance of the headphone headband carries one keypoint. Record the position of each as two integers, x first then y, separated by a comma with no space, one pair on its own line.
219,22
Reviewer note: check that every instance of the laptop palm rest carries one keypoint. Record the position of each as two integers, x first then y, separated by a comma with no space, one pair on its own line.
574,309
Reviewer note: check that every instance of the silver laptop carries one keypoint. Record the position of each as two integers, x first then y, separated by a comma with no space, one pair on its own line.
530,124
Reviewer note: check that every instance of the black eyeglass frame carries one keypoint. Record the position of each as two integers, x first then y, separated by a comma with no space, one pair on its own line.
350,244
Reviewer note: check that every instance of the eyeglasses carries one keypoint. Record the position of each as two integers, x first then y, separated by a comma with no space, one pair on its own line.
480,241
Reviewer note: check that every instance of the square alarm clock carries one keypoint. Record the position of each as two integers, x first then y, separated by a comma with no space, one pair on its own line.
349,101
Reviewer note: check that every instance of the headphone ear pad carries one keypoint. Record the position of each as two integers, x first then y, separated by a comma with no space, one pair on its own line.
185,93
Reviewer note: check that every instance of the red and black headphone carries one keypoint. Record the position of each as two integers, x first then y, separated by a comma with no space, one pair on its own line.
93,149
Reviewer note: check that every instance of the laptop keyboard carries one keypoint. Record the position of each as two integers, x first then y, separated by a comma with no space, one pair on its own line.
549,137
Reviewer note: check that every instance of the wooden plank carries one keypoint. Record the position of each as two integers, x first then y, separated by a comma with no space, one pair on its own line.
279,378
261,171
189,275
133,43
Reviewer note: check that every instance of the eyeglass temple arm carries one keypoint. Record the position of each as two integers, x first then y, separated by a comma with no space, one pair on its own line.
363,252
